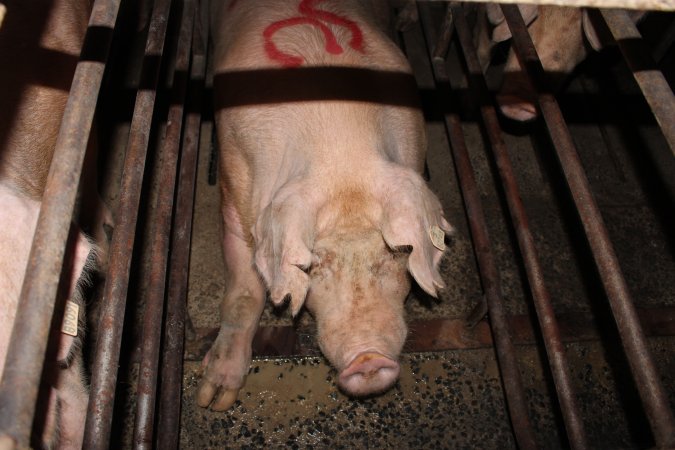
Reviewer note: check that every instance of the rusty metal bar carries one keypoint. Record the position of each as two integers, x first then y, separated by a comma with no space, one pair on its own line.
436,335
174,332
540,295
506,356
160,220
633,339
655,5
653,84
106,359
28,343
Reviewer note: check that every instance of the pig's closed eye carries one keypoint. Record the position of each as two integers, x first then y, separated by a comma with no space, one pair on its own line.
305,268
402,249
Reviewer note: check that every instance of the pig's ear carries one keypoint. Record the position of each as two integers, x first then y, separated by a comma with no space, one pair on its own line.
501,32
284,235
413,218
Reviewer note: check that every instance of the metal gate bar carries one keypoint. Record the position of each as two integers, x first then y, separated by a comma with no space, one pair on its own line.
513,388
635,346
174,328
540,295
28,343
160,232
111,321
653,84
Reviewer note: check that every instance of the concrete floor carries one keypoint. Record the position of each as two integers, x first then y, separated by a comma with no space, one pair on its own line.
454,399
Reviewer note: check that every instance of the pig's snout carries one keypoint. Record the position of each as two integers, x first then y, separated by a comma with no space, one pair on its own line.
516,107
368,373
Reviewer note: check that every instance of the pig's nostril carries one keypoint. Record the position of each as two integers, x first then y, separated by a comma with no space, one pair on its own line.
368,373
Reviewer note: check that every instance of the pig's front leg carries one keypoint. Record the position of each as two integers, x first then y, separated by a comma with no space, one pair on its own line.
227,362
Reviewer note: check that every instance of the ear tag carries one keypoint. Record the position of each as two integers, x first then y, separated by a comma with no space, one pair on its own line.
70,317
437,237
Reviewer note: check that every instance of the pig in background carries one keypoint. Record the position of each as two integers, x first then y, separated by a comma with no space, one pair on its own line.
322,200
40,43
563,38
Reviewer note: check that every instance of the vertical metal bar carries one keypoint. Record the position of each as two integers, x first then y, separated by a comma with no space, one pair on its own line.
106,359
174,332
653,84
506,356
25,356
632,337
540,295
160,220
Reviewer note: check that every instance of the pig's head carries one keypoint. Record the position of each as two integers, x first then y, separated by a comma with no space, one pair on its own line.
365,245
560,36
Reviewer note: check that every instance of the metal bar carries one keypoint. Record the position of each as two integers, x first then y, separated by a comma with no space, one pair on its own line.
513,388
107,351
540,295
28,343
653,84
160,220
436,335
633,339
655,5
174,332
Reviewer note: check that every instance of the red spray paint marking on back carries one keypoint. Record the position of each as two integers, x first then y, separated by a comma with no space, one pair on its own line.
317,18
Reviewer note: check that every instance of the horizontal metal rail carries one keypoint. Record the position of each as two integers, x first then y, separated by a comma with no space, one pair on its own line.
655,5
111,321
28,343
540,295
653,84
633,339
160,223
506,356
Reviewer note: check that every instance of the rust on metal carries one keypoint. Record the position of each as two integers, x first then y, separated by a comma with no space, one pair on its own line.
113,305
542,299
436,335
513,387
28,343
653,84
642,366
160,220
654,5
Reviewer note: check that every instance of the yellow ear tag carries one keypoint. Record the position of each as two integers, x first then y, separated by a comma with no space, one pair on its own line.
70,317
437,237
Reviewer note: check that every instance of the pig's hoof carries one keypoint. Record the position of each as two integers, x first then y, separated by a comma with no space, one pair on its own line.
368,373
218,397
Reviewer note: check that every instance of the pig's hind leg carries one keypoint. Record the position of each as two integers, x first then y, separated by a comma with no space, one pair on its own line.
227,362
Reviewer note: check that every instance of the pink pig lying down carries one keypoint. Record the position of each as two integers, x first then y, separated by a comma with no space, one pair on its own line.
322,200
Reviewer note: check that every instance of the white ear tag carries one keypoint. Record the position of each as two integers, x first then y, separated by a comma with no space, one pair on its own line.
437,237
70,317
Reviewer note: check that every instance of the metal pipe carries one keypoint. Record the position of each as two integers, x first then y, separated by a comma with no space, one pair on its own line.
28,343
174,331
633,339
653,84
542,300
654,5
513,387
160,220
111,321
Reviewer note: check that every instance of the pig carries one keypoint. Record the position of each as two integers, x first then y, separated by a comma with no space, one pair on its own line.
562,36
323,204
40,42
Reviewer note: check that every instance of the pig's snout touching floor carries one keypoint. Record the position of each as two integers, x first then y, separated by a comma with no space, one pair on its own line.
368,373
